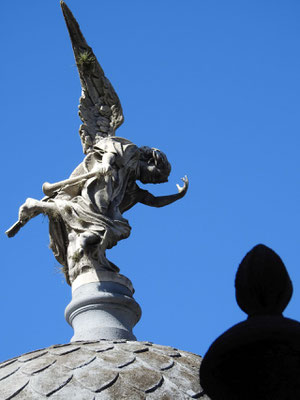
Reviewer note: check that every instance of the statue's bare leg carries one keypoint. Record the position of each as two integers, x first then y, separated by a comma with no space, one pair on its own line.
32,207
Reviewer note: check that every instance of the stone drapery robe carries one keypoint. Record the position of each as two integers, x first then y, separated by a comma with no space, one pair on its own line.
91,207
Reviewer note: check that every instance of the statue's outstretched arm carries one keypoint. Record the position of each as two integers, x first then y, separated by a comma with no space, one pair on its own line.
161,201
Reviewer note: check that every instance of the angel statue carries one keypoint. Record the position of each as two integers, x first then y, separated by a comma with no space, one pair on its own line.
86,211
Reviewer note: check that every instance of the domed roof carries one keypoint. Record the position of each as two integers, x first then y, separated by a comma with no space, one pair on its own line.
103,369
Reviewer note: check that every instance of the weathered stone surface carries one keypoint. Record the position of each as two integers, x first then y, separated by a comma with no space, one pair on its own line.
183,377
73,391
116,358
95,377
102,370
63,349
8,370
5,363
12,385
50,380
155,360
99,346
142,378
103,309
27,393
120,390
76,359
38,364
86,210
32,355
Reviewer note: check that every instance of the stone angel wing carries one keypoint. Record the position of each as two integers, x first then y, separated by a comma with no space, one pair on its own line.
100,108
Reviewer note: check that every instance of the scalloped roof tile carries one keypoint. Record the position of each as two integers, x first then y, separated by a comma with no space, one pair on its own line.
102,370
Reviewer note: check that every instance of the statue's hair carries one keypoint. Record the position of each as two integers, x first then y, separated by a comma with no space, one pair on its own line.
158,159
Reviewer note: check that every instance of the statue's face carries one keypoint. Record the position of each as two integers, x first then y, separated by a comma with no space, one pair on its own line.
154,166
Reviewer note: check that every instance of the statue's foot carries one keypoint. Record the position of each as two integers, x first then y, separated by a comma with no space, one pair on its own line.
29,209
83,242
88,239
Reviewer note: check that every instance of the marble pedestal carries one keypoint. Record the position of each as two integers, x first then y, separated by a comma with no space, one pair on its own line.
102,307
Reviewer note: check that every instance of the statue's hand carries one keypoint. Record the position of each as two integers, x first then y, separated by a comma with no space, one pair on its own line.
104,169
183,189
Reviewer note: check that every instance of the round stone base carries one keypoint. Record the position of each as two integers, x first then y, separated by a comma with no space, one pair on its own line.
103,309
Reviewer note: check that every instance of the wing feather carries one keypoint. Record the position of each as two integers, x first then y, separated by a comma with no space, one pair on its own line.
100,109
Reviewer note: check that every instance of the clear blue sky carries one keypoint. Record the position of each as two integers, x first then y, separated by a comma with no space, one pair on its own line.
213,83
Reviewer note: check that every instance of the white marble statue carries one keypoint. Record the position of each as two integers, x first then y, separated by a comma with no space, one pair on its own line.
86,211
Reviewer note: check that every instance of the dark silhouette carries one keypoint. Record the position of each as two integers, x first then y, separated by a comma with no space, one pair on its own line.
260,357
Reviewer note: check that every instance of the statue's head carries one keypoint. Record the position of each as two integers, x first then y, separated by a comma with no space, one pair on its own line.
154,165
